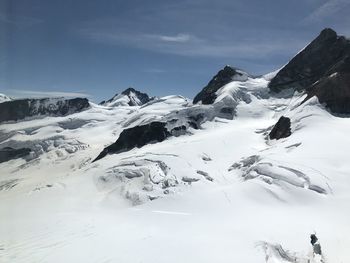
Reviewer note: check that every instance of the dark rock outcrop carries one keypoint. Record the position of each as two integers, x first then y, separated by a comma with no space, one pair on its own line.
315,245
281,129
316,61
22,108
8,153
333,90
322,69
137,137
224,76
134,98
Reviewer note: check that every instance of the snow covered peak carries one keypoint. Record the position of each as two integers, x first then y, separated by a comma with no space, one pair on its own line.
223,77
129,97
4,98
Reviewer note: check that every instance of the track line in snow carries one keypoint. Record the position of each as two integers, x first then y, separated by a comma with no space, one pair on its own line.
170,212
162,212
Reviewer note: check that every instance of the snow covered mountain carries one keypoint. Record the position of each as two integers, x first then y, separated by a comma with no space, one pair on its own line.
129,97
19,109
254,169
4,98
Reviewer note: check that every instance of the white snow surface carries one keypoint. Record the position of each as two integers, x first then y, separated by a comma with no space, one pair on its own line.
224,193
120,100
4,98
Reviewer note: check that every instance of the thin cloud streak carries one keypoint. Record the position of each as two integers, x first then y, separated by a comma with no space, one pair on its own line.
193,46
42,94
179,38
328,9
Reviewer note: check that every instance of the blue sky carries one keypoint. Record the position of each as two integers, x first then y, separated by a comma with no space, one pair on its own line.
99,48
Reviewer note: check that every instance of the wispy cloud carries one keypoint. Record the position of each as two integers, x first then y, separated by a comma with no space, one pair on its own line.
327,9
179,38
196,28
34,93
186,44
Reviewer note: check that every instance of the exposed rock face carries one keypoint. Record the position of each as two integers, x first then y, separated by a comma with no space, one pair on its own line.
315,245
281,129
19,109
334,90
129,97
316,61
322,69
223,77
8,153
152,132
137,137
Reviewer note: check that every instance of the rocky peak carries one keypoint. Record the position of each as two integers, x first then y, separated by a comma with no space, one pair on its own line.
129,97
223,77
312,63
327,33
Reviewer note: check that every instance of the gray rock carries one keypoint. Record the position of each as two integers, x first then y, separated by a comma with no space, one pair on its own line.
333,91
205,175
312,63
15,110
281,129
137,137
8,184
8,153
245,163
315,244
189,180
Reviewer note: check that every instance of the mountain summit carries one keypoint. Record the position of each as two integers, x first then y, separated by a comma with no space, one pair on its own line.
223,77
322,69
319,59
129,97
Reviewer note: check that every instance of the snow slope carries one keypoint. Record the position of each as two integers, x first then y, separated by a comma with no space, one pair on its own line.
4,98
223,193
